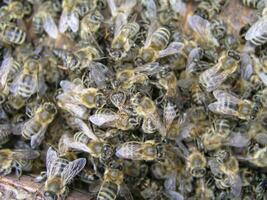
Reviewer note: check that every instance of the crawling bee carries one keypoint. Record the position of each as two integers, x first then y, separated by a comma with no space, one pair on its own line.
213,77
156,45
228,104
44,21
35,128
20,159
27,83
113,184
123,40
149,150
15,10
11,34
196,164
60,172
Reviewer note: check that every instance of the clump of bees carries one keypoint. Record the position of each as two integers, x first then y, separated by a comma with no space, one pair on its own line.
134,99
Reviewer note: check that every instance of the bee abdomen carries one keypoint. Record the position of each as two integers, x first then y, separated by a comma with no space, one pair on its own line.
108,191
4,133
160,38
14,35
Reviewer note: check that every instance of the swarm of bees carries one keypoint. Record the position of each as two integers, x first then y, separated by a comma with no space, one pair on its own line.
134,99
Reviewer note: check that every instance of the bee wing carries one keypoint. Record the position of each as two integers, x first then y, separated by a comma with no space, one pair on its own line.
5,68
129,150
50,26
151,9
112,6
220,94
246,66
173,48
51,156
102,119
236,185
69,142
68,86
37,138
178,6
85,129
257,32
121,20
261,138
173,195
152,28
74,22
72,169
263,77
170,182
220,108
63,21
202,28
28,154
149,69
237,140
125,192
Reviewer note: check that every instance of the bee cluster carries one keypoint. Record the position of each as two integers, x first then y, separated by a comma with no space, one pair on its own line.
134,99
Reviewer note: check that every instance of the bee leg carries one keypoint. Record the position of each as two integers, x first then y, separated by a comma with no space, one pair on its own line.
65,193
41,177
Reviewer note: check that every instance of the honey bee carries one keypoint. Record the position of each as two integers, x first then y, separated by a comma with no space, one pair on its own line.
123,40
196,164
43,20
35,128
146,108
77,94
60,172
8,70
259,69
198,96
213,77
156,45
148,150
27,83
113,184
203,30
19,159
11,34
228,104
72,11
256,33
257,158
90,24
13,103
168,81
14,10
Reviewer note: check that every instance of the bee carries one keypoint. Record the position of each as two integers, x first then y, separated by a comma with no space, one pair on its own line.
123,40
228,104
11,34
198,96
14,10
44,21
96,148
156,45
87,97
259,4
213,77
146,108
168,81
113,184
196,164
203,30
8,70
257,158
27,83
71,14
88,176
222,126
13,103
35,128
60,172
148,150
18,159
256,33
90,24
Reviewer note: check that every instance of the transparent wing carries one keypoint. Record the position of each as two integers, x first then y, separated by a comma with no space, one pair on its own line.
112,6
257,30
236,185
37,138
72,169
74,22
130,150
170,182
263,77
51,156
220,108
151,9
85,129
178,6
28,154
62,144
50,26
152,28
5,68
261,138
76,145
121,20
63,22
68,86
246,66
173,48
202,28
220,95
149,69
102,119
173,195
169,113
237,140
